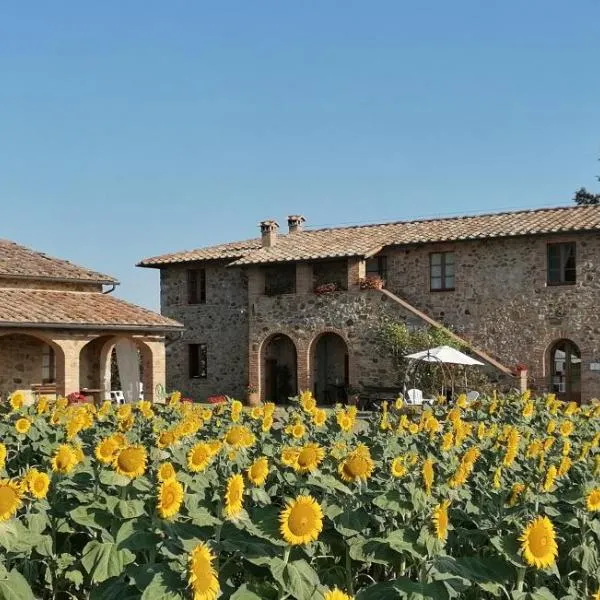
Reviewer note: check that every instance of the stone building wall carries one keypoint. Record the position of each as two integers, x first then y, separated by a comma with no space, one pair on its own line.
20,363
502,303
221,323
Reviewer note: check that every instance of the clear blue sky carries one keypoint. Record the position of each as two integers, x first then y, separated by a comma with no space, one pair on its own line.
130,128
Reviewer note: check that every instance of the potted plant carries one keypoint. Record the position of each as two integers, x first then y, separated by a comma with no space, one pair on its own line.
325,288
252,395
371,282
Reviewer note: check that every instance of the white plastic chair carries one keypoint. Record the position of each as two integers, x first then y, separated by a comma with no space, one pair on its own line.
415,397
472,396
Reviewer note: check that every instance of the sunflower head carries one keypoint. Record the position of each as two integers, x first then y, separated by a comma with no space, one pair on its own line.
301,521
38,484
199,457
298,431
16,400
239,436
428,475
319,417
202,575
22,425
234,496
440,520
166,471
131,461
309,458
358,466
398,467
106,449
64,459
170,497
165,439
336,594
307,401
258,471
538,543
10,498
2,454
592,500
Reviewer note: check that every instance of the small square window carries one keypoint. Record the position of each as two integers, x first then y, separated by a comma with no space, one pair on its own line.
196,286
562,264
441,271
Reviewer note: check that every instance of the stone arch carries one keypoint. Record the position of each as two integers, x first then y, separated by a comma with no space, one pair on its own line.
330,366
563,360
106,345
277,367
41,360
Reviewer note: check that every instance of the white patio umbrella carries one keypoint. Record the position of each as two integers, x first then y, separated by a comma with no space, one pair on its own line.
444,354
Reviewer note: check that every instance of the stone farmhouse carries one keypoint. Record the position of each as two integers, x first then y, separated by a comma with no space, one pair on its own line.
520,287
59,325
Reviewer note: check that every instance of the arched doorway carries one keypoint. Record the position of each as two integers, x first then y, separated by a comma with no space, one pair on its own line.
565,370
30,362
279,369
330,368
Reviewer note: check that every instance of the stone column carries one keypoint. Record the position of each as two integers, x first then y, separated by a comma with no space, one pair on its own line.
357,269
153,357
67,376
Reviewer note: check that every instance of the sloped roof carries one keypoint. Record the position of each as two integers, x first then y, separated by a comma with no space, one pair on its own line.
19,261
366,240
50,308
220,252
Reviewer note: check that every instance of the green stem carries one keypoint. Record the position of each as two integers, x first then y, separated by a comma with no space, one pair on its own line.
349,579
286,554
520,578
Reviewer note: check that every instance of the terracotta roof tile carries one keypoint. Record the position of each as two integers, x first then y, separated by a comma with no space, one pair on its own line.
52,308
365,240
222,251
19,261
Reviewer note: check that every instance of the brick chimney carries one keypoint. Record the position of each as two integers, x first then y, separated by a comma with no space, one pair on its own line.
295,223
268,231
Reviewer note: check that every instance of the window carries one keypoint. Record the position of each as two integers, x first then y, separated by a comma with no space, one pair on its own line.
48,365
377,266
331,271
561,264
280,280
196,280
197,361
441,269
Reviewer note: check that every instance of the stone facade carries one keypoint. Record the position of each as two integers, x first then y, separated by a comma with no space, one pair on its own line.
221,323
501,303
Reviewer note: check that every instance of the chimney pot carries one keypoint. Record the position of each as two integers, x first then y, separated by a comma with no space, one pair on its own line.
295,223
268,231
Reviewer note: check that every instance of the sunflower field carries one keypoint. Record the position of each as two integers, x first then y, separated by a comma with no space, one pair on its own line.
495,499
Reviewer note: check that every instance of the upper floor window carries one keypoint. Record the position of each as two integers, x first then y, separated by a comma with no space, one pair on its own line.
561,264
441,271
196,286
280,279
197,361
331,271
377,267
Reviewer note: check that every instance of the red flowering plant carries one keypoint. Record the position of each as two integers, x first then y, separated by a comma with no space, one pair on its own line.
251,389
371,282
520,367
76,397
217,399
326,288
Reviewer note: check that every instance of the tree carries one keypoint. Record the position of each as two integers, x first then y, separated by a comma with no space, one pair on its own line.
583,197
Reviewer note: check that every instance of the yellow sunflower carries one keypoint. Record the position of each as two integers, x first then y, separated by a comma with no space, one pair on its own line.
199,457
440,520
319,417
256,413
301,521
398,467
10,498
336,594
298,431
358,466
345,422
428,475
170,497
166,471
309,458
64,459
566,428
165,439
22,425
258,471
131,461
538,543
239,436
267,423
16,400
38,484
307,401
596,596
106,449
215,446
234,496
592,500
202,575
2,454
